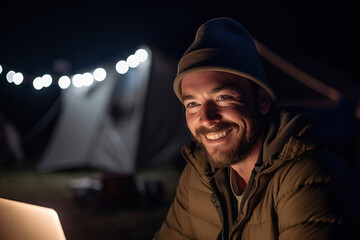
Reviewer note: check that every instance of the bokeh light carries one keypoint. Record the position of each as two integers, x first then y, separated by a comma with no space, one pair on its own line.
87,79
99,74
37,83
18,78
141,54
46,80
133,61
10,76
77,80
122,67
64,82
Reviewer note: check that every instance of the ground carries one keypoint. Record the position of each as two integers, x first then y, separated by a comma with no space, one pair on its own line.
82,214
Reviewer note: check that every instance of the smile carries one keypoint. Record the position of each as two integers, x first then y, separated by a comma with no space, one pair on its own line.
218,135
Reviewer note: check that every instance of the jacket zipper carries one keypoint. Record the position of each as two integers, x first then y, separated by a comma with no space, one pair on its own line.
220,209
256,181
242,220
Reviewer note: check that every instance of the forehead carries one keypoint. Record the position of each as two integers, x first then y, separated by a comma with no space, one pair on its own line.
208,80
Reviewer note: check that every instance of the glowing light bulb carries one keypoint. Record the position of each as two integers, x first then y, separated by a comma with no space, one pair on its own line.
88,79
1,69
46,80
141,54
10,76
18,78
133,61
99,74
77,80
64,82
122,67
37,83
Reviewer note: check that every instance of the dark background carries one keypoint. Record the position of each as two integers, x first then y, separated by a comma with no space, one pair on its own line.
319,37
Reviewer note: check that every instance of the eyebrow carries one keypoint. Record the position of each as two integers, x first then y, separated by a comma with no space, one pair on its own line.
187,97
227,86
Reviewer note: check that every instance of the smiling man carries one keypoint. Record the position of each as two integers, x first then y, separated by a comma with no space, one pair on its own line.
222,117
255,171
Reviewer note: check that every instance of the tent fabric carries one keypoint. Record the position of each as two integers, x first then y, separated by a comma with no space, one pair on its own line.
89,135
163,130
122,124
82,112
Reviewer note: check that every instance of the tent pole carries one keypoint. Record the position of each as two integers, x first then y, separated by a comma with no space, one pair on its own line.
297,73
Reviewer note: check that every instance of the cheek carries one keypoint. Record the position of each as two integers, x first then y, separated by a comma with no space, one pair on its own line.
242,118
234,114
190,121
243,111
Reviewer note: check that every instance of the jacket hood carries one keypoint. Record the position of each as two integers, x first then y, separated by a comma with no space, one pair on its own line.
294,130
285,138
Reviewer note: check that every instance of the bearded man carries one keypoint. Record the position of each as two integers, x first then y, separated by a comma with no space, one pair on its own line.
254,170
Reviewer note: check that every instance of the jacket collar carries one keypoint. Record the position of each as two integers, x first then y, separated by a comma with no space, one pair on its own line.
196,157
292,131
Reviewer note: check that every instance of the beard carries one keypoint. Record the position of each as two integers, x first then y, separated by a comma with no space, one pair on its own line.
240,150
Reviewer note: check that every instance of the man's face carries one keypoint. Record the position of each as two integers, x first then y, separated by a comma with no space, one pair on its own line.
221,114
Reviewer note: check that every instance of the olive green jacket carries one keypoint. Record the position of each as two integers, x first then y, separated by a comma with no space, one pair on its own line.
298,190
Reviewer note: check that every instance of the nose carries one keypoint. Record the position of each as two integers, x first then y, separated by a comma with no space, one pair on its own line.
210,114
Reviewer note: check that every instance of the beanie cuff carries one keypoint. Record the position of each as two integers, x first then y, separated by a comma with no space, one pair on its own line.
213,59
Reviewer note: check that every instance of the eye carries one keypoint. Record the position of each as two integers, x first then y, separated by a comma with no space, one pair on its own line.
224,97
191,105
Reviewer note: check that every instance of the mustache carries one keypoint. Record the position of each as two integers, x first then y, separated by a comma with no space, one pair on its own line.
221,126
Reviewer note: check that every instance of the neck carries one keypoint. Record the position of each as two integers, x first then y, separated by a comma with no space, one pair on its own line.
245,167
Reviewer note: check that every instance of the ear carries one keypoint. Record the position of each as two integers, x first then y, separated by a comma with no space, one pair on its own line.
264,101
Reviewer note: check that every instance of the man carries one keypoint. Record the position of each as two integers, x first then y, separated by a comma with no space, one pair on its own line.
254,171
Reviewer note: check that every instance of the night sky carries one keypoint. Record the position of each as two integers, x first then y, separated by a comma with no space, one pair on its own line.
320,37
36,33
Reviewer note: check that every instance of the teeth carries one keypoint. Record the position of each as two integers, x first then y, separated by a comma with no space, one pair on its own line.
215,136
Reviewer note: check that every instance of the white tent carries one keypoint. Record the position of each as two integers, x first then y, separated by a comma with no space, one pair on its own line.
100,126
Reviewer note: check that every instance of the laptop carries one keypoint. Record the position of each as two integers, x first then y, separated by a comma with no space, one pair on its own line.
23,221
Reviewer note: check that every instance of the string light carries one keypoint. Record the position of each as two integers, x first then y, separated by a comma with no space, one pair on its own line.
64,82
77,80
99,74
133,61
37,83
46,80
141,54
80,80
122,67
88,79
10,76
18,78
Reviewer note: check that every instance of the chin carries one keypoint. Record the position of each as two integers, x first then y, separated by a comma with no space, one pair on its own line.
220,159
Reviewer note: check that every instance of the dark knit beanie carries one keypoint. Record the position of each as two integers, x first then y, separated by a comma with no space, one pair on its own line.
222,44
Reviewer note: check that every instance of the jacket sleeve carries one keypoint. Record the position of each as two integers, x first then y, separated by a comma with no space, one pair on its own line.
312,205
177,224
